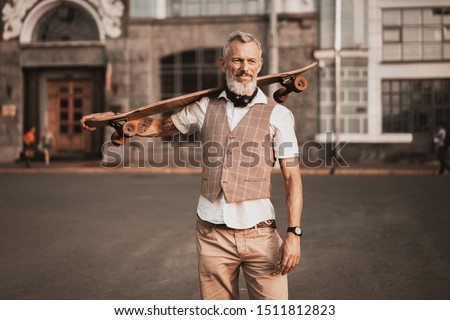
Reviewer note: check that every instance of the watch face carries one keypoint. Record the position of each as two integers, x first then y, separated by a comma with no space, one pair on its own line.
298,231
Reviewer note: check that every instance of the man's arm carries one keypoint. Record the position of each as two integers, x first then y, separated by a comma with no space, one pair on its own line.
162,127
158,127
289,256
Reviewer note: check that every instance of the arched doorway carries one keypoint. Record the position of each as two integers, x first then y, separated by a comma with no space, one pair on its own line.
66,22
65,76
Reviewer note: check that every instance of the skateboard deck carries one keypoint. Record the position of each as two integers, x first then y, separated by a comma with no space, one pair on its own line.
134,123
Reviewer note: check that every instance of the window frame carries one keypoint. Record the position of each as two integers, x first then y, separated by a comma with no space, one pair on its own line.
415,97
176,66
421,45
180,8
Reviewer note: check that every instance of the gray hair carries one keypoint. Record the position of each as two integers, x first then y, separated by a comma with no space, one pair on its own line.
240,36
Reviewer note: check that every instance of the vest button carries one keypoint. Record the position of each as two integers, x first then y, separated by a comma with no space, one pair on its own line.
231,137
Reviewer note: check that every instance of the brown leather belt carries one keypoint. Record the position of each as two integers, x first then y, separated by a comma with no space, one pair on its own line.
263,224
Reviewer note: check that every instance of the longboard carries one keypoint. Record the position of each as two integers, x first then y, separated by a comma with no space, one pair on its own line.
134,123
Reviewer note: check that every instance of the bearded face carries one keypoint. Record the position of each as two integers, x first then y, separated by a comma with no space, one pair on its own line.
241,66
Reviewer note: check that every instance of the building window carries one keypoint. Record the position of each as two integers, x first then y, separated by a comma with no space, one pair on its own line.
416,34
66,23
353,99
190,71
143,8
186,8
198,8
415,105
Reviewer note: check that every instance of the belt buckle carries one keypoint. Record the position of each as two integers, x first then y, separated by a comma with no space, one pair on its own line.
261,224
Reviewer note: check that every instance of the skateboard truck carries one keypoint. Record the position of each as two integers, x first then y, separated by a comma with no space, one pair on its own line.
290,84
117,138
128,129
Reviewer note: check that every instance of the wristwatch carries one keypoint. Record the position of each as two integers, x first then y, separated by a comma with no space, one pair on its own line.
295,230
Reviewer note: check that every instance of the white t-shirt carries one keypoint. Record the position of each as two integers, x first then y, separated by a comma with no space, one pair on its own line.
245,214
439,138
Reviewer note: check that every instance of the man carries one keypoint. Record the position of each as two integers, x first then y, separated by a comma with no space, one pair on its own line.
441,140
236,220
47,141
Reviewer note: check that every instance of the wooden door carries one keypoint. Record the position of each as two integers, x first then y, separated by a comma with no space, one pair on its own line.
68,101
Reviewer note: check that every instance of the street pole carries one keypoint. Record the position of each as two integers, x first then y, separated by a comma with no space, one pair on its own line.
337,78
273,42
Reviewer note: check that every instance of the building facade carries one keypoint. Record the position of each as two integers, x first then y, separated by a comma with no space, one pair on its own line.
60,60
395,75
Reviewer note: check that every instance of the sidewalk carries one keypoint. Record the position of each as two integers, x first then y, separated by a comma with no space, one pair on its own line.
94,167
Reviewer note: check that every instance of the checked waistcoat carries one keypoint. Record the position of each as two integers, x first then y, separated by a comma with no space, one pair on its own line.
237,161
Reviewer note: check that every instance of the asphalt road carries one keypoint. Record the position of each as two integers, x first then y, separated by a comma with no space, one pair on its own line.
131,236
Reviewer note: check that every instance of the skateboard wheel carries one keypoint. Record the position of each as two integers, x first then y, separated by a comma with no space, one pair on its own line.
117,140
280,96
129,129
300,84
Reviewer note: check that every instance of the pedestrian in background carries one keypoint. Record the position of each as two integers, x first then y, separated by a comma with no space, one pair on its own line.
47,140
441,139
29,139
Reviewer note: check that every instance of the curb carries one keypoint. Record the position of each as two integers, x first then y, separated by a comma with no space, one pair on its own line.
304,172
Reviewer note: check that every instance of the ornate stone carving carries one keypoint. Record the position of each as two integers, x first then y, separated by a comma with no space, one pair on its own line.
109,11
12,16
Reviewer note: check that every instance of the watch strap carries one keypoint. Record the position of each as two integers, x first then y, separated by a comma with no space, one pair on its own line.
295,230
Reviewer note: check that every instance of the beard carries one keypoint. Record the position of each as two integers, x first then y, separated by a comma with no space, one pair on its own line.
240,88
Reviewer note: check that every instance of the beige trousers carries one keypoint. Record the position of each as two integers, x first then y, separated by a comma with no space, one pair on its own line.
221,254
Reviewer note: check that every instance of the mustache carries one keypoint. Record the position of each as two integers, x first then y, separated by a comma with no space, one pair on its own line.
244,73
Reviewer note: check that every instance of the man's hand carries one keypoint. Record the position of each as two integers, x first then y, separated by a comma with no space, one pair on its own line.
84,126
157,127
289,254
